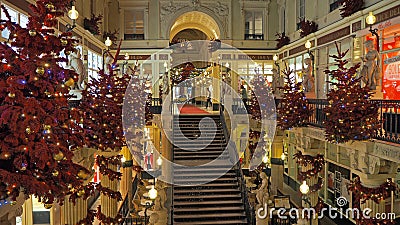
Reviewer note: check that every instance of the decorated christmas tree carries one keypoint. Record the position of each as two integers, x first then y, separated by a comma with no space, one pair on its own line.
260,105
37,128
294,110
102,101
350,115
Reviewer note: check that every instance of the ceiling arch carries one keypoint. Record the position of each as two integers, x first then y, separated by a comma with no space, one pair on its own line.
196,20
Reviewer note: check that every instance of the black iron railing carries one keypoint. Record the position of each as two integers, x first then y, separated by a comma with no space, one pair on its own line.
250,213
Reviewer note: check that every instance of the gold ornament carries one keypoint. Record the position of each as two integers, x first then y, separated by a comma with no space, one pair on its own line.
69,82
82,174
28,130
81,193
11,95
51,7
13,203
32,32
48,206
59,156
55,173
40,70
64,42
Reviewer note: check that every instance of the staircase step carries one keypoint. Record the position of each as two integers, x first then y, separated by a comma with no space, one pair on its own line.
200,157
208,186
212,215
190,176
213,222
206,196
197,209
197,191
216,203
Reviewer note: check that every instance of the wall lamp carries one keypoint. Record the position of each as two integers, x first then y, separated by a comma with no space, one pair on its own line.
276,58
108,43
370,20
308,46
73,14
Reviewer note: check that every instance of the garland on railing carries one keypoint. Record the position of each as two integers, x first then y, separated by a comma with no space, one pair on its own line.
318,163
294,110
361,194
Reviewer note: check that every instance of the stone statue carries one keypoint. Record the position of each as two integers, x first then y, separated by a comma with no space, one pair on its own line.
75,62
370,72
308,79
107,63
159,215
262,193
162,194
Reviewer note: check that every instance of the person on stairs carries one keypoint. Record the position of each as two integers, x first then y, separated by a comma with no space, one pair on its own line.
208,98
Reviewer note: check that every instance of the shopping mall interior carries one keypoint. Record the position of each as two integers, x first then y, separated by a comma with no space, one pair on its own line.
199,112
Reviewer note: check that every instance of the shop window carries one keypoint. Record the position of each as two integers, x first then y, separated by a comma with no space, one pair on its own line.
16,16
300,11
254,25
333,4
95,62
134,25
390,61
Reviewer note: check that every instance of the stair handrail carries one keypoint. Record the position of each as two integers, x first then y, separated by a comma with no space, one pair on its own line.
250,214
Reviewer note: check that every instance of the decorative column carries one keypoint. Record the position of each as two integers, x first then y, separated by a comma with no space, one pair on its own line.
277,163
126,179
166,150
72,213
109,205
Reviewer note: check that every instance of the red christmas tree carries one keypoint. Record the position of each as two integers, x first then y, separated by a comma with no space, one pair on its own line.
294,110
350,114
37,128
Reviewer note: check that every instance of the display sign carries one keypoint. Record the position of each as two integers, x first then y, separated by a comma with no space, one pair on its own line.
391,76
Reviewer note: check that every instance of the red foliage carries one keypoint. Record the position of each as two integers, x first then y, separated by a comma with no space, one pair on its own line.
349,7
92,24
36,125
307,27
350,115
282,40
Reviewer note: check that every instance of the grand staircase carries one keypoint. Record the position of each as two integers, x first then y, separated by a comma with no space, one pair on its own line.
206,187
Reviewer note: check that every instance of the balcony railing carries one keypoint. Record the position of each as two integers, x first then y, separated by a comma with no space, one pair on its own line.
389,117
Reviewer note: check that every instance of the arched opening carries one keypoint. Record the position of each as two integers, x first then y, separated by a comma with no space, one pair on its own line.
194,26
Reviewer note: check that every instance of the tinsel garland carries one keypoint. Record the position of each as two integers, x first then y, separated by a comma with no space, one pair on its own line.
361,194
